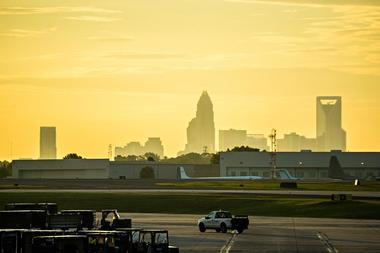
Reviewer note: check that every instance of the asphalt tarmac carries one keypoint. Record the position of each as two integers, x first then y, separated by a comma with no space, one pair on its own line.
269,234
366,194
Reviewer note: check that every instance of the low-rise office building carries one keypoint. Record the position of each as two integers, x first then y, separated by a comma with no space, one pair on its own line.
303,165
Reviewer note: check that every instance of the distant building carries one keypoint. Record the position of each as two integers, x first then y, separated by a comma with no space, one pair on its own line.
201,129
257,141
152,145
48,146
330,134
134,148
228,139
231,138
294,142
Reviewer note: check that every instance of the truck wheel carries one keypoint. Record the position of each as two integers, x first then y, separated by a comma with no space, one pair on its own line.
240,230
223,228
217,230
202,227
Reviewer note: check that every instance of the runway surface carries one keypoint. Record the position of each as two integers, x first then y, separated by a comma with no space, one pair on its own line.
184,191
269,234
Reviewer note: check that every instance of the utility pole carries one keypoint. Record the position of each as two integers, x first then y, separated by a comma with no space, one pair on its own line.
11,151
110,151
273,155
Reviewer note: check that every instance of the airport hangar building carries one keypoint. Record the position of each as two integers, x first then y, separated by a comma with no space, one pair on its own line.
303,165
104,169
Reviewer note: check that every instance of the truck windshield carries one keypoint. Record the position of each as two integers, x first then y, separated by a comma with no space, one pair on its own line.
161,238
225,215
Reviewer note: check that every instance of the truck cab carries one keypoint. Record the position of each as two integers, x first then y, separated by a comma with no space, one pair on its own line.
155,241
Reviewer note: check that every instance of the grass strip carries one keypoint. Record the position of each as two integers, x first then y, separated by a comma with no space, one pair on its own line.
282,206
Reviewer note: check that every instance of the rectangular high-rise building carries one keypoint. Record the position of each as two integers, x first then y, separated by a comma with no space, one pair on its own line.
48,147
228,139
330,134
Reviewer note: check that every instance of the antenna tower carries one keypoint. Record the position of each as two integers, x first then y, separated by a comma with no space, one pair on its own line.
273,155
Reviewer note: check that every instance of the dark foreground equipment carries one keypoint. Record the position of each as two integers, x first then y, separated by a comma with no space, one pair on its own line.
60,244
155,241
111,220
50,208
20,240
19,219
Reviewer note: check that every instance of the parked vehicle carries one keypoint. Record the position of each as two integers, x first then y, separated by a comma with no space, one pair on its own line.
47,230
221,221
155,241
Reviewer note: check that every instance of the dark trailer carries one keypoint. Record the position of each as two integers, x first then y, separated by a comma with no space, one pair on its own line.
50,208
60,244
100,241
23,219
20,240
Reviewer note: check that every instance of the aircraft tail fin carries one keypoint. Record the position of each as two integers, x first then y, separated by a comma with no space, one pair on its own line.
284,174
183,174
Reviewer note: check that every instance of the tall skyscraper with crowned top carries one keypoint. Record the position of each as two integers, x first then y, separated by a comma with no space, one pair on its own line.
201,129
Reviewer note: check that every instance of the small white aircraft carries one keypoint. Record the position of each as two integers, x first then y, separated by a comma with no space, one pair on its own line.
184,176
280,174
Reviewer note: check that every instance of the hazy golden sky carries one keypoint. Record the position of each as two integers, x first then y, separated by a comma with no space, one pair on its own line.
117,71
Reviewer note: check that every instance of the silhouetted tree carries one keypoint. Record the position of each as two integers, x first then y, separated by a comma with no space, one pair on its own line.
152,157
192,158
72,156
244,149
5,169
215,158
335,170
147,173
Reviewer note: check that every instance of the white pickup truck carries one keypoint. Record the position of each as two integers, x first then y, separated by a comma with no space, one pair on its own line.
221,221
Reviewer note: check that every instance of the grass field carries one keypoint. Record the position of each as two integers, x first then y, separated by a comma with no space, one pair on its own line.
202,204
272,185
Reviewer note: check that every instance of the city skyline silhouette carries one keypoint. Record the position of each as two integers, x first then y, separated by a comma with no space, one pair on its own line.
113,72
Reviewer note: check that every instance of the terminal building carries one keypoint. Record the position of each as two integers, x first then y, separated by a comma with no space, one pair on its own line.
303,165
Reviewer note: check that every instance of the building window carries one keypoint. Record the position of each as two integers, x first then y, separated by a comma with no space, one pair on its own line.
233,173
324,174
312,174
243,173
300,174
266,174
256,174
358,174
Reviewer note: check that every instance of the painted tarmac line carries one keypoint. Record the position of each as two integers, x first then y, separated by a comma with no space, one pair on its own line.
227,247
325,241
